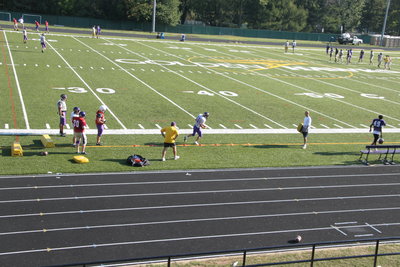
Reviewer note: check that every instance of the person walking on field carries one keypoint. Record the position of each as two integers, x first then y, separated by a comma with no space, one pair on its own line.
294,44
200,124
306,127
377,124
170,134
286,46
79,132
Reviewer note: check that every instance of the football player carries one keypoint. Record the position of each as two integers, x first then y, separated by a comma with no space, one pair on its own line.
79,131
100,121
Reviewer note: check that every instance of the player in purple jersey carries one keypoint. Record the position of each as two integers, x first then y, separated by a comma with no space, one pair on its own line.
200,124
377,124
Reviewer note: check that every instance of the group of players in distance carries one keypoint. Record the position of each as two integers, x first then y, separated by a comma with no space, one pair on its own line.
78,120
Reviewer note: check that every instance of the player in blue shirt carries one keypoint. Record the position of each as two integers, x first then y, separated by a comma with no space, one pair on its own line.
377,124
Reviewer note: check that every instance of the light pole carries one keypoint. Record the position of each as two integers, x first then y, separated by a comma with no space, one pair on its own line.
154,16
384,22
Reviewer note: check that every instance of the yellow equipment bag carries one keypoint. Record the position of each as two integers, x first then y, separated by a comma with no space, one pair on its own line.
299,127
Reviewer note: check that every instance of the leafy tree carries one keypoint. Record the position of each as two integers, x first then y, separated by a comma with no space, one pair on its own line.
372,16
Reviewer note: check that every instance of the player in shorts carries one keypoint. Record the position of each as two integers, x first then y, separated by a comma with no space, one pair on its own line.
43,42
25,35
46,24
100,121
200,124
377,124
74,114
37,24
306,126
79,132
170,134
62,110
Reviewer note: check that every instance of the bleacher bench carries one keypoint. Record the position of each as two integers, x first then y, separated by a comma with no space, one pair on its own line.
385,151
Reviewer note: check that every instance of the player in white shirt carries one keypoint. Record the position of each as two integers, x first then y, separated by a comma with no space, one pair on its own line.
25,34
200,124
74,114
306,127
43,42
62,110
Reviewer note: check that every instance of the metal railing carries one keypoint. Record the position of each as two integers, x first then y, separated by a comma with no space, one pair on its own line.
245,254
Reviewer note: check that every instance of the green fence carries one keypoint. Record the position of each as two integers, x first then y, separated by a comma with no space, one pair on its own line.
188,29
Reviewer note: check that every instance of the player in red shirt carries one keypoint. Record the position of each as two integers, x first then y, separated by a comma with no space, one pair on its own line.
46,24
37,25
79,131
100,121
15,24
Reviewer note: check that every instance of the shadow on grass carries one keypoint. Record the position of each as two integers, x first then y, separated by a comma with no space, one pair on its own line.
337,153
272,146
154,144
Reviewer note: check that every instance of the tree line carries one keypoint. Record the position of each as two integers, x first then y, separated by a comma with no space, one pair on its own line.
329,16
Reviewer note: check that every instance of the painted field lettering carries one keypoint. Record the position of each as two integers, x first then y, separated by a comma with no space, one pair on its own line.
224,93
373,96
315,95
81,90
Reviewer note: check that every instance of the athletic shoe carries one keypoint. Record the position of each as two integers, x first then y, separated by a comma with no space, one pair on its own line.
84,153
184,138
63,135
163,159
176,158
196,143
98,144
304,147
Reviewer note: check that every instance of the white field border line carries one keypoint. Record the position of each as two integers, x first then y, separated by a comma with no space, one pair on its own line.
254,87
290,84
202,86
344,176
201,205
189,238
136,78
87,85
351,80
285,69
197,192
17,83
188,131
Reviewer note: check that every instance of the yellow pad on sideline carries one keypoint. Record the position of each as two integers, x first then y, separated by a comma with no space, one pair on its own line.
80,159
16,150
47,141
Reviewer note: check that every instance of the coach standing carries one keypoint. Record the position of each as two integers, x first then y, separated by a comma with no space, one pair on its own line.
62,111
170,134
306,127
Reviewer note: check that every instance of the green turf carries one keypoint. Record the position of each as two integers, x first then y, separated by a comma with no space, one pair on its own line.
147,84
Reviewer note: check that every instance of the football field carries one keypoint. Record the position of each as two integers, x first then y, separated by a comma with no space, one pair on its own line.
146,84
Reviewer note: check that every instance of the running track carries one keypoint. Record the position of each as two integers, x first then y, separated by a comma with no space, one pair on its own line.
59,219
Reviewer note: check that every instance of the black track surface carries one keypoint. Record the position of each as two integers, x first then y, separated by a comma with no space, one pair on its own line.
59,219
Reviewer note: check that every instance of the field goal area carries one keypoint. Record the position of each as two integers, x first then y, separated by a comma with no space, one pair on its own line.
29,18
5,16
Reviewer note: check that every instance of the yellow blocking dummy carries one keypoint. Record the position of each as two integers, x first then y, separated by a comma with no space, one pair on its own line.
16,150
80,159
46,141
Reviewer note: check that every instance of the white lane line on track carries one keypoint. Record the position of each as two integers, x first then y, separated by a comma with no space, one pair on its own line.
199,192
199,205
17,83
374,228
191,238
337,229
136,78
202,86
88,87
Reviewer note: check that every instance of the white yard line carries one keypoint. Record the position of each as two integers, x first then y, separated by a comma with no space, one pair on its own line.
136,78
87,85
200,85
17,83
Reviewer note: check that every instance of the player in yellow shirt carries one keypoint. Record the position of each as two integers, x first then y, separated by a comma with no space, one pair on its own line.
170,134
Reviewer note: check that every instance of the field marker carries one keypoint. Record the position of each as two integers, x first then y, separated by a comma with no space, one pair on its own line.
6,126
269,127
48,126
158,126
363,125
17,83
67,125
338,126
140,126
190,126
255,127
294,125
222,126
105,127
323,125
87,85
133,76
238,126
